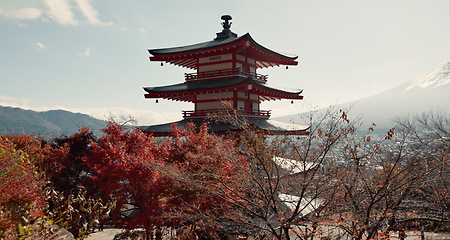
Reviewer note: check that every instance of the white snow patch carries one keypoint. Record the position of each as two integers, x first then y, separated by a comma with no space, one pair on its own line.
437,77
288,126
307,205
292,165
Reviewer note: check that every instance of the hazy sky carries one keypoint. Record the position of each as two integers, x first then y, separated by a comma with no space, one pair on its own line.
91,56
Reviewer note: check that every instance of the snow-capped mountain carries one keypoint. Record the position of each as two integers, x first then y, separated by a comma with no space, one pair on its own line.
429,92
440,76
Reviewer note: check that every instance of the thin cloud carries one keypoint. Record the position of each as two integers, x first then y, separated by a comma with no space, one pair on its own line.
40,46
22,25
143,116
12,101
86,52
60,11
90,13
142,30
23,14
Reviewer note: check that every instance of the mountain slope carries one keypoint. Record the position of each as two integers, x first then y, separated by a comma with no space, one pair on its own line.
428,92
45,124
439,76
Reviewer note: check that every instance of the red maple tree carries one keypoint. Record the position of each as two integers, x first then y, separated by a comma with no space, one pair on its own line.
152,181
21,187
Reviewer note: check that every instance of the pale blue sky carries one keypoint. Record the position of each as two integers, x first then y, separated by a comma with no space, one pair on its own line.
91,56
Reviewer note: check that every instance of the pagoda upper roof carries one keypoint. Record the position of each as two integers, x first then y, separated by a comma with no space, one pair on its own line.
186,56
186,91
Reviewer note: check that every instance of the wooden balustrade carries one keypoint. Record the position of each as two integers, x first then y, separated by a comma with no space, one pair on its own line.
224,73
246,113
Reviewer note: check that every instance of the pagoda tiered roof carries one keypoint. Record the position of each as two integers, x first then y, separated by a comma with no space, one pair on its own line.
226,81
186,56
268,126
187,91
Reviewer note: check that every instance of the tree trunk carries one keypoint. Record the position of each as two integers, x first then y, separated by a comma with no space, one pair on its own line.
286,233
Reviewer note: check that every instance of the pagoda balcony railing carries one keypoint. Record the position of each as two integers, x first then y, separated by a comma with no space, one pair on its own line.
230,72
245,113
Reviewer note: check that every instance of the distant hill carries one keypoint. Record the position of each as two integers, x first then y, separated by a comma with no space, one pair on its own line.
428,92
45,124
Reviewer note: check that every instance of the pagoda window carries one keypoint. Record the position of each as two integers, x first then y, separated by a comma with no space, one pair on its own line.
214,96
255,106
216,58
240,58
242,95
254,97
211,105
216,62
240,105
212,67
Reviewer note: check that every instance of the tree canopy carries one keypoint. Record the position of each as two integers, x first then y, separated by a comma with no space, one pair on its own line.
194,184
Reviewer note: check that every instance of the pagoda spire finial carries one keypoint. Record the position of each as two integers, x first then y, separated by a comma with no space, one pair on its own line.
226,24
226,32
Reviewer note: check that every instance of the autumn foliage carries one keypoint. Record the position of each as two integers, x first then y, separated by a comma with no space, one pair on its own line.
153,182
196,185
21,186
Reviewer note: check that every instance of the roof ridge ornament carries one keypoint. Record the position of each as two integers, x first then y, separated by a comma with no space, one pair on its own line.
226,18
226,32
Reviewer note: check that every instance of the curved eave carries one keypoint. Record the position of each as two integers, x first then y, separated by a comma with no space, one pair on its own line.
224,128
187,91
271,58
187,56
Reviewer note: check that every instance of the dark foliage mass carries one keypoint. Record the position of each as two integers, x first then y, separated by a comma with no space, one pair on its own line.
196,185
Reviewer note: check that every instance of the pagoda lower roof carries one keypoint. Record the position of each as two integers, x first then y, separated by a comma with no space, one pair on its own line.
186,56
186,91
268,126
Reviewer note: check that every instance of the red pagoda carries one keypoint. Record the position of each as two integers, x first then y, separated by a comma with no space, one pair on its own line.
225,71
